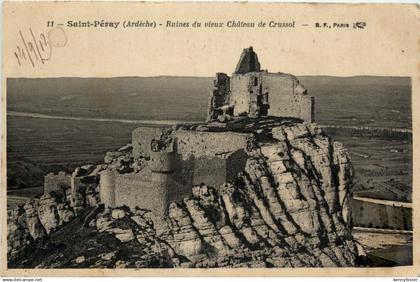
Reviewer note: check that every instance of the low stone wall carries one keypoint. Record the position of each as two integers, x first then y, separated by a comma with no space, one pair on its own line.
384,216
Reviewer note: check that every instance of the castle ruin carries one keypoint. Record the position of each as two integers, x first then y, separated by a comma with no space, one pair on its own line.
257,185
253,92
176,160
165,163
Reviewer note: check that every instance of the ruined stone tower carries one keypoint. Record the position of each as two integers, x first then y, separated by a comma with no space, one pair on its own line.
255,93
248,62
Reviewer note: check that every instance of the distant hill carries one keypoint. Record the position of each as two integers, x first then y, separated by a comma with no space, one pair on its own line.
360,100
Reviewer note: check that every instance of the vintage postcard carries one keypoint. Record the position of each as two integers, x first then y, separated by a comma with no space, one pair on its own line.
157,138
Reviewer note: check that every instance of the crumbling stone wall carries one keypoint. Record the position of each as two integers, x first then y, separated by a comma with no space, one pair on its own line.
249,95
216,171
81,183
213,157
195,157
220,97
147,189
287,97
276,94
57,183
240,93
255,93
154,190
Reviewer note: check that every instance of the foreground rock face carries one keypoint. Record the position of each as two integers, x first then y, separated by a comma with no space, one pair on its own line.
287,208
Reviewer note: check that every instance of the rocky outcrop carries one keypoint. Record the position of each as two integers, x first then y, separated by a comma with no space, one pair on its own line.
34,225
48,213
288,208
40,217
19,233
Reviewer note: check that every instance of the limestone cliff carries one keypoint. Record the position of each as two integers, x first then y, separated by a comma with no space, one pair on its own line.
287,208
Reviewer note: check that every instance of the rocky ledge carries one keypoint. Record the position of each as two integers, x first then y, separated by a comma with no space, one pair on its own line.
288,208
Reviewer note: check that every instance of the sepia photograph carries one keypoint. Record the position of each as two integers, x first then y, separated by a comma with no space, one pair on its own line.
254,166
250,169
